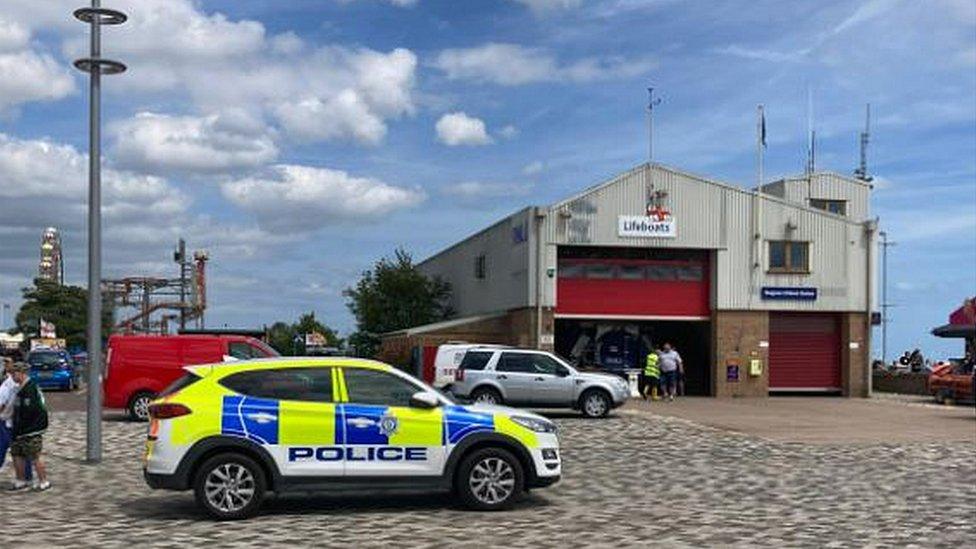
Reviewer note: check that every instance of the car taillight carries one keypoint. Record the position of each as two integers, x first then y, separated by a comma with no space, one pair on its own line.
459,375
167,410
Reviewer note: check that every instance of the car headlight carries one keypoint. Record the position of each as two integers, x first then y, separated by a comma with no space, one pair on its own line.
533,424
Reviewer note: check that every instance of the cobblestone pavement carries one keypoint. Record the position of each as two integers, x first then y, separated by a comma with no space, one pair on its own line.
632,479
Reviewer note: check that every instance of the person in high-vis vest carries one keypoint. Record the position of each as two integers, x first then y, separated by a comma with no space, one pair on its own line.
652,375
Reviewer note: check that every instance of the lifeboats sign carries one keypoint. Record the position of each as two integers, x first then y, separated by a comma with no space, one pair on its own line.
640,226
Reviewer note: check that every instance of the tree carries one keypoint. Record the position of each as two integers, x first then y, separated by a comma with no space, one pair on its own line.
392,296
288,339
64,306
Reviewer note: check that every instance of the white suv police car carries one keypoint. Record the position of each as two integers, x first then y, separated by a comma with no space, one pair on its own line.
233,432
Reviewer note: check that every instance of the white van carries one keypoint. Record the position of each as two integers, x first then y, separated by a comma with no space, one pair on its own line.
449,357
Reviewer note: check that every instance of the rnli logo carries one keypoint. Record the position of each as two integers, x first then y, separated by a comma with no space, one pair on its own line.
388,425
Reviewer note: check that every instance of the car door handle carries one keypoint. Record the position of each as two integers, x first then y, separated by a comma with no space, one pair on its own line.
540,379
502,376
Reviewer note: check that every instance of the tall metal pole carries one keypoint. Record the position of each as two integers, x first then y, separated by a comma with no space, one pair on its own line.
94,442
885,243
95,66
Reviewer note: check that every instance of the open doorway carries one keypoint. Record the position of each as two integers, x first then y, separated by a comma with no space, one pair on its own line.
620,345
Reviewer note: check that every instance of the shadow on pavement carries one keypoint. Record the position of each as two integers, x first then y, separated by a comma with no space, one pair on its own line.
182,506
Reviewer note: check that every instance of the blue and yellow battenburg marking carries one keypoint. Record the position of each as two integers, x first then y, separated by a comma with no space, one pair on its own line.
268,421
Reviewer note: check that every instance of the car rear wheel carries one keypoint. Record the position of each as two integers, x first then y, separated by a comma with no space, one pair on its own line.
139,406
489,479
595,403
230,487
486,395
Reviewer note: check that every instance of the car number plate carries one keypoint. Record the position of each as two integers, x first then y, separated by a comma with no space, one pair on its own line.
46,375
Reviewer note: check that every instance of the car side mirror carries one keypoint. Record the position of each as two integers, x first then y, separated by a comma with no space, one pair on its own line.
423,399
562,372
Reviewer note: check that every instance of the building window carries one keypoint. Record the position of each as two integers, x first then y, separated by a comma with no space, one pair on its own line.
786,256
838,207
480,267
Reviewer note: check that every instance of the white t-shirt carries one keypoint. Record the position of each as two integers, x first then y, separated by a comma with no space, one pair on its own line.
8,392
669,360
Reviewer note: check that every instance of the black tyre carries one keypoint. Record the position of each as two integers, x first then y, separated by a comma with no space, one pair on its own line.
595,403
230,487
489,479
139,405
486,395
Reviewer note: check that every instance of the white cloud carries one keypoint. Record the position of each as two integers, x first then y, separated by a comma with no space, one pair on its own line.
397,3
28,75
457,128
477,190
509,132
215,143
533,168
539,6
302,198
326,92
513,65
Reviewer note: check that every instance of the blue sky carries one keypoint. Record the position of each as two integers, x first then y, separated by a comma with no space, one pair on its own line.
299,141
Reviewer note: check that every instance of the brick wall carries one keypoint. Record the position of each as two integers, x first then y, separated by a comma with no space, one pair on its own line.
736,337
855,350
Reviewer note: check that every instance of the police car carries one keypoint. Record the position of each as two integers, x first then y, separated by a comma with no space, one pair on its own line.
232,432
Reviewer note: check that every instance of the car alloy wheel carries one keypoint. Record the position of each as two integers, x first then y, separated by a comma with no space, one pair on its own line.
595,405
229,487
140,407
486,397
492,481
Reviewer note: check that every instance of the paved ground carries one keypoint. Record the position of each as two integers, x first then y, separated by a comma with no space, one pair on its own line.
885,418
637,478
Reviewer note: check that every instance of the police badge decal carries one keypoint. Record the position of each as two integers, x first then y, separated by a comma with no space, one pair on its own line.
388,425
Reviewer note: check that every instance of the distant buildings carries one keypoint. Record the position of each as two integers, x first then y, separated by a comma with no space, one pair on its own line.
51,266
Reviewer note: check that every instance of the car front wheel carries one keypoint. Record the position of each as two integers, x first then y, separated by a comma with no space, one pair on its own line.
230,487
595,403
490,479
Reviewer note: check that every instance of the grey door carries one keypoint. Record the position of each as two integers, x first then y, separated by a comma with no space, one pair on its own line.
553,384
515,373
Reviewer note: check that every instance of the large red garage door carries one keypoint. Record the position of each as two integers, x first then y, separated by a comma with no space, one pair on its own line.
804,352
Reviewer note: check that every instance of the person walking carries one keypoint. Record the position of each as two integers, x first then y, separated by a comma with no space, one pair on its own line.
651,376
8,392
29,424
671,367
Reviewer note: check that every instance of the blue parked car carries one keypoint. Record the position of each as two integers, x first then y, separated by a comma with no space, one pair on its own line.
53,369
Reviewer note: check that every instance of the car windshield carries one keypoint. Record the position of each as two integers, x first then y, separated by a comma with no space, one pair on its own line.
45,361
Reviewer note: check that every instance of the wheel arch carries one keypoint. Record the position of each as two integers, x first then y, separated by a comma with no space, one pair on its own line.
211,446
478,441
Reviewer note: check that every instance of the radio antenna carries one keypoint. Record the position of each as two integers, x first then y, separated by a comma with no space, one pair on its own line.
862,170
651,103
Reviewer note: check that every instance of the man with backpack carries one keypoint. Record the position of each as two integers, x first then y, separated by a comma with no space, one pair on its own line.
29,424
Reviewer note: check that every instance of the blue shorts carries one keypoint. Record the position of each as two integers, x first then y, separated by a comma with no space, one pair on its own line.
669,379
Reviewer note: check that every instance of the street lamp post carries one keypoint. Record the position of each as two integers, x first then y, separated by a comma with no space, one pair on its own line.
95,66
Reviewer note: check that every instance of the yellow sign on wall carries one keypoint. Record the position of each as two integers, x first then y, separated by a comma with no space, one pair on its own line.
755,367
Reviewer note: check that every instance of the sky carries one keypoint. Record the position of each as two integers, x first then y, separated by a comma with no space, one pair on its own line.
300,141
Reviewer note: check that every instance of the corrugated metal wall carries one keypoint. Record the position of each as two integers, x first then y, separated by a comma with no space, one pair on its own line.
709,215
506,247
716,216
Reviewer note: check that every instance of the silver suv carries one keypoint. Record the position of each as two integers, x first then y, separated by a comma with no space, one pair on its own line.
535,378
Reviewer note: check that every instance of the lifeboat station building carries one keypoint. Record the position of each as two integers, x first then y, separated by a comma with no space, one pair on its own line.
761,290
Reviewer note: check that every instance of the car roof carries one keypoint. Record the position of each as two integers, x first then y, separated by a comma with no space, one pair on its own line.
273,363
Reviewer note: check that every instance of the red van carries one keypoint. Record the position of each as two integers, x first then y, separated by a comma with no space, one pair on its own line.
140,366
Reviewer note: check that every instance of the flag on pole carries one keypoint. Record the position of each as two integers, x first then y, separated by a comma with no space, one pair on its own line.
762,126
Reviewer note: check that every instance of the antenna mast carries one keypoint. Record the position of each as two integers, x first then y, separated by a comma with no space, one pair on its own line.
651,103
862,170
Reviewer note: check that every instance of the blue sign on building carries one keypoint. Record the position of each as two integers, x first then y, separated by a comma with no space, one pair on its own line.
789,294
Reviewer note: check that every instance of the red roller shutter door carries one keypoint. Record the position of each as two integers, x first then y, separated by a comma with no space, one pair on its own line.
804,351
